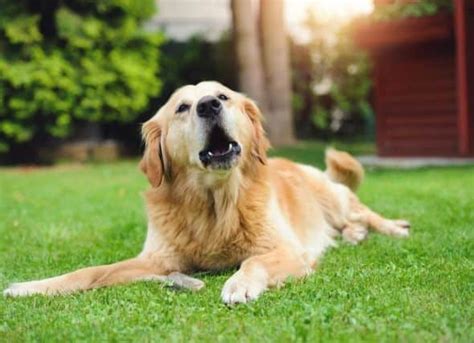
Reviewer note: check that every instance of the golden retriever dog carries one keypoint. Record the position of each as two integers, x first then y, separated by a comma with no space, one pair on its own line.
216,201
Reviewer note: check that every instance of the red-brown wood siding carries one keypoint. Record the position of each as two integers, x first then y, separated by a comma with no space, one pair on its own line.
416,101
417,88
460,27
470,70
406,31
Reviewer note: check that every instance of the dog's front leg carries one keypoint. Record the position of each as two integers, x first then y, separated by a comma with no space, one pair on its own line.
260,272
135,269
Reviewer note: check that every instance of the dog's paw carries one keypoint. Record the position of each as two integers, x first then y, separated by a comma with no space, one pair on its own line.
241,288
398,227
22,289
184,281
353,234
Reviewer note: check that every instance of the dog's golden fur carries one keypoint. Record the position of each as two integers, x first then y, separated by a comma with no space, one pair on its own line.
273,217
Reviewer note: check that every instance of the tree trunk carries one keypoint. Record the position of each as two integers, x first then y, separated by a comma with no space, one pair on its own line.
251,77
277,71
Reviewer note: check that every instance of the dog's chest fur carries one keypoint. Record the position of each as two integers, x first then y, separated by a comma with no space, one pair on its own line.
214,232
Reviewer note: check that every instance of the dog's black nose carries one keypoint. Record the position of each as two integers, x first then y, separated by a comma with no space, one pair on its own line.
209,107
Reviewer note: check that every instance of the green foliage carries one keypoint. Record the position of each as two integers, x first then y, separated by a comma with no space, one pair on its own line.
62,62
418,8
331,81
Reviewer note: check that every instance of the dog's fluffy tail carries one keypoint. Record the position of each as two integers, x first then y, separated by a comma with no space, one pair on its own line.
343,168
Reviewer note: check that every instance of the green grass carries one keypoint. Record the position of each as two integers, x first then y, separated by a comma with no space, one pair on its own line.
420,289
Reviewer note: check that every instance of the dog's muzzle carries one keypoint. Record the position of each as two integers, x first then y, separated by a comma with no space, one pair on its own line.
221,151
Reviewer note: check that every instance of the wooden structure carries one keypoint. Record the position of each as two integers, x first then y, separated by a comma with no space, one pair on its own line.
423,82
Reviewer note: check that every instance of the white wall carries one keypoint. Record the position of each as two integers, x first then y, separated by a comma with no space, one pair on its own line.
181,19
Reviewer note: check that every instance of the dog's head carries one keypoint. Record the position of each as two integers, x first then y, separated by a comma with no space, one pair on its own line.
205,128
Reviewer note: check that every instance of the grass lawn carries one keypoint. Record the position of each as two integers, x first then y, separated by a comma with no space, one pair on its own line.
420,289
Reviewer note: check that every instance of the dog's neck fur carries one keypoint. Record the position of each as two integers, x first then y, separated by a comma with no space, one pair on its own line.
217,197
217,189
203,216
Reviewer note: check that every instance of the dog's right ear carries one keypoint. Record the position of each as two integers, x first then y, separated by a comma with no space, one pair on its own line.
154,162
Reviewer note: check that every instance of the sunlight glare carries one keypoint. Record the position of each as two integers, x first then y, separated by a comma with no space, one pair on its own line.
341,10
332,13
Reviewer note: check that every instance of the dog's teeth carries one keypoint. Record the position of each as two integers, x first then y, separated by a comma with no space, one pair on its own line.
210,153
230,147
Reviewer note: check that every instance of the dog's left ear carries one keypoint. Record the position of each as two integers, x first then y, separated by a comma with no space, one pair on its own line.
260,143
154,163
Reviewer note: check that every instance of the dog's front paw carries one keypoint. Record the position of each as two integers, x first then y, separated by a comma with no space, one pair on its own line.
184,281
354,233
241,288
399,227
22,289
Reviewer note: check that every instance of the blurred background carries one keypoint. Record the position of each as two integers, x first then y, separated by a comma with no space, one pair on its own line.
77,77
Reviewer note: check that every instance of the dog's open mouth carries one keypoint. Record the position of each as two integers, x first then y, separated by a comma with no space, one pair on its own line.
221,150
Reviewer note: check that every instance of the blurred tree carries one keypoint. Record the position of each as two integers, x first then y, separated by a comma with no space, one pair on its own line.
69,61
247,46
277,72
263,63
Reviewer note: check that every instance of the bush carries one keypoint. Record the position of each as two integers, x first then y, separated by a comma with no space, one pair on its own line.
420,8
70,61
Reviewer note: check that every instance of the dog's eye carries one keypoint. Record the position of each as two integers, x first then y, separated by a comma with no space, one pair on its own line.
182,108
223,97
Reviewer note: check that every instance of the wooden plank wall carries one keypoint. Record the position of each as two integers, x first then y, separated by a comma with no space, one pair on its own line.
424,82
470,70
416,101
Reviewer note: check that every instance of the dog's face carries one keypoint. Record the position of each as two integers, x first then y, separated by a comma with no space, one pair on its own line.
204,128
